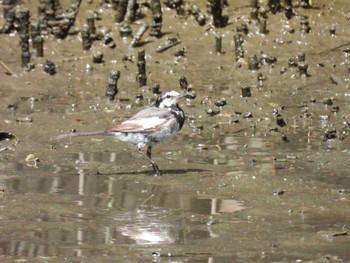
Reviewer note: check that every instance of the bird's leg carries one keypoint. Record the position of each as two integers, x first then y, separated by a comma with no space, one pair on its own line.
154,165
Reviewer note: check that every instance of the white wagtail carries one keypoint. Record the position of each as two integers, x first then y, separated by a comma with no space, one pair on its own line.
148,127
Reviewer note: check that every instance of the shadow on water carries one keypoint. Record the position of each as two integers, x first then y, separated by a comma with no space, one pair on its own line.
164,172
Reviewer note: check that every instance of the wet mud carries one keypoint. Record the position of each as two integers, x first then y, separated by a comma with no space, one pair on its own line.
259,173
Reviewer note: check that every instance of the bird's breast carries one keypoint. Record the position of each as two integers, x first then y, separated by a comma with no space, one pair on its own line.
179,116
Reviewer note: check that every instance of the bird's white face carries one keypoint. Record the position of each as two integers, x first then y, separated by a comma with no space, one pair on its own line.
168,99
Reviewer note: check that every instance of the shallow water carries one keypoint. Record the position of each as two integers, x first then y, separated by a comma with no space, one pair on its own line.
237,186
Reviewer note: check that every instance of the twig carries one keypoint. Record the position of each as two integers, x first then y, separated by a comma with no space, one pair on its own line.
9,71
170,43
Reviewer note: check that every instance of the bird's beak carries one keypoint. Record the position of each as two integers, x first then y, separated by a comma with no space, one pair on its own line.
183,94
186,94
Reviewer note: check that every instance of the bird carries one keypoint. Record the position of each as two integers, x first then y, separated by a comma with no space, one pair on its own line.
148,127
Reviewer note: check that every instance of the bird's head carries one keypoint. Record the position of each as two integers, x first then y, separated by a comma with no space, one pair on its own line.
169,98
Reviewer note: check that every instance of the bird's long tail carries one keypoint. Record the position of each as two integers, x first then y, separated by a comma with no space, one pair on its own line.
81,134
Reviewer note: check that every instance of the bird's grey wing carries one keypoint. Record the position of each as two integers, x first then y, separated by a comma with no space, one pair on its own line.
147,120
152,112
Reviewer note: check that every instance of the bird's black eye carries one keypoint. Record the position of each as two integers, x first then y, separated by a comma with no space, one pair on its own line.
168,96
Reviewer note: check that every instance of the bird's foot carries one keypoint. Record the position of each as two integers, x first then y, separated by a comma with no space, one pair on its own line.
156,170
